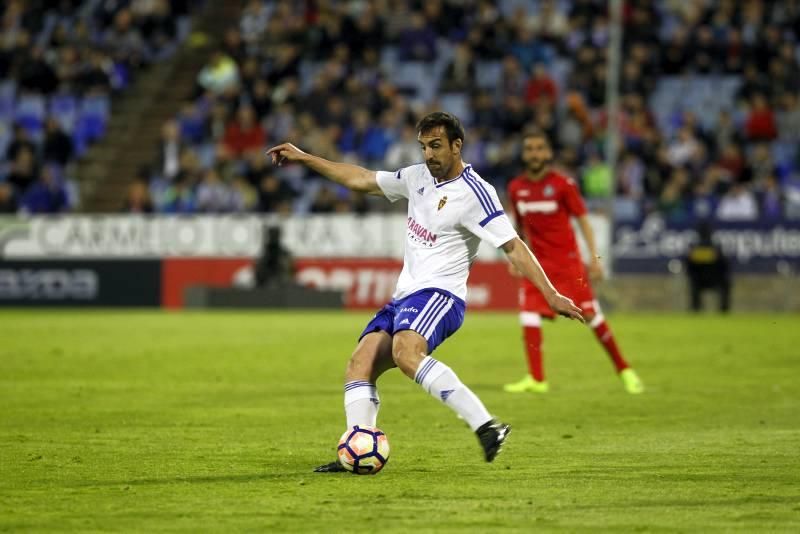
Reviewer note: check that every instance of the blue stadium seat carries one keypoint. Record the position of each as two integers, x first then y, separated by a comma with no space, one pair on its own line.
488,74
64,107
30,113
457,104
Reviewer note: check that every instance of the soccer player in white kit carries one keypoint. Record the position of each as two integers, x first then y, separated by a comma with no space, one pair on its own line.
450,210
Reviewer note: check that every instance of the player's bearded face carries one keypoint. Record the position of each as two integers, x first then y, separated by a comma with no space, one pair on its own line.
536,154
439,152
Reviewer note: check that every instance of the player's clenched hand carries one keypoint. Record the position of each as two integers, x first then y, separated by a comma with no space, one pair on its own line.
285,152
564,306
596,272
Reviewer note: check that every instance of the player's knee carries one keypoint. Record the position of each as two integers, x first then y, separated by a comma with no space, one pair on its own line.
407,351
359,365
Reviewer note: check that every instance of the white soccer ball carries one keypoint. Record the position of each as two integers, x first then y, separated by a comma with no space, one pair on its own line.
363,450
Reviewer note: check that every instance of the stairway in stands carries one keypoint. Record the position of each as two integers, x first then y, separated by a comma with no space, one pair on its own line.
109,167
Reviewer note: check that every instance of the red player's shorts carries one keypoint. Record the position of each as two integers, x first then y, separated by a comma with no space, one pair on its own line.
570,279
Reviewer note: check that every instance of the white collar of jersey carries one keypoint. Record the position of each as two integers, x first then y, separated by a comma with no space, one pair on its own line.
467,167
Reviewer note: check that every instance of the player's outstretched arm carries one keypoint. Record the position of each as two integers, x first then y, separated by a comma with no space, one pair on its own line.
595,263
526,263
351,176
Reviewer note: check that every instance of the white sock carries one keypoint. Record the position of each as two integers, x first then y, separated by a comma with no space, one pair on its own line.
440,381
361,403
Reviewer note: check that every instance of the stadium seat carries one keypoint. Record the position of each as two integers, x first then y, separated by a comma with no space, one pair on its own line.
488,74
64,107
415,75
8,90
30,113
457,104
93,117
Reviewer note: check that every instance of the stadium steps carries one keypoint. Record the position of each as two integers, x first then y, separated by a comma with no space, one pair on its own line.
131,141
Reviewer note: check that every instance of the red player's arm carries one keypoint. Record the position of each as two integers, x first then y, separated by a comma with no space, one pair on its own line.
526,263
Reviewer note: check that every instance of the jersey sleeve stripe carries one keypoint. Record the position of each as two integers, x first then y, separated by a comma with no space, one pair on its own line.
477,194
482,190
490,217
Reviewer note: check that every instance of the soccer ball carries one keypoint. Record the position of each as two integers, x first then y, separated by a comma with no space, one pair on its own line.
363,450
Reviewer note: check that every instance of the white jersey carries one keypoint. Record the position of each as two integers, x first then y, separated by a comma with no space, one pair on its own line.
446,222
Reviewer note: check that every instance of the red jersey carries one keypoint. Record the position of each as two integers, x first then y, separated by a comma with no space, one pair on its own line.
543,209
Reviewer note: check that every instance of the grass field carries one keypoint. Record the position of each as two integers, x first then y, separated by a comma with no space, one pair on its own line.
212,421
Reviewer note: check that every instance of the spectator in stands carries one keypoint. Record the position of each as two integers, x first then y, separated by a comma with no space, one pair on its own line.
418,41
325,201
58,147
219,75
156,22
8,199
738,204
788,118
683,148
138,199
253,21
540,87
459,76
725,131
36,74
363,138
23,170
260,99
244,134
404,151
548,22
170,149
20,141
45,195
192,125
124,41
215,196
95,76
514,114
596,179
760,125
178,197
771,199
68,68
274,195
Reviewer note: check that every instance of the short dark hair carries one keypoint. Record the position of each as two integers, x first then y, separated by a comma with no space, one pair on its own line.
535,132
450,123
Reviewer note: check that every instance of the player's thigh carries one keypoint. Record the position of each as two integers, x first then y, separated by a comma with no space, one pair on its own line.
408,349
371,357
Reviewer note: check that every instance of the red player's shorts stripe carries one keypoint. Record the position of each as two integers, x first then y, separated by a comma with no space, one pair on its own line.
570,279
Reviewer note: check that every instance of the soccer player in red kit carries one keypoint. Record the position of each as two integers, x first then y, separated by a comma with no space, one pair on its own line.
543,201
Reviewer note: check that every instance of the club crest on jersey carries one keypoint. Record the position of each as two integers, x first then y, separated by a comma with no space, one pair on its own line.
442,202
548,191
421,190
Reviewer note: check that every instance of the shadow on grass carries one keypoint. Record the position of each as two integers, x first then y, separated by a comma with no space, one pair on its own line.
243,478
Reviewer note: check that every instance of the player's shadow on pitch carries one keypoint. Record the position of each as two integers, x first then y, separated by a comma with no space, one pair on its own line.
199,479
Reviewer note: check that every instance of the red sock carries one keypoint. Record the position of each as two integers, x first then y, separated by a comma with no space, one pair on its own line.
606,338
533,348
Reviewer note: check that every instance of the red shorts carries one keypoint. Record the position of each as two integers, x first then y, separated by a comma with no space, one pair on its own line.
571,280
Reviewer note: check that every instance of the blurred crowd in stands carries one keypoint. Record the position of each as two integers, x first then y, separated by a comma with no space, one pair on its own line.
710,100
61,63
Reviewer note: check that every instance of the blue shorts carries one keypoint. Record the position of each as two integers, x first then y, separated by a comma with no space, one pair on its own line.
434,314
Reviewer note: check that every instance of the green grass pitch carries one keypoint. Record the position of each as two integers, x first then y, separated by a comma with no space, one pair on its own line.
212,421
